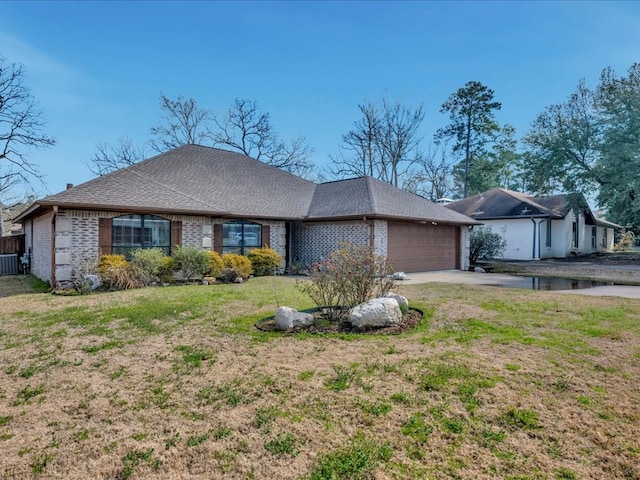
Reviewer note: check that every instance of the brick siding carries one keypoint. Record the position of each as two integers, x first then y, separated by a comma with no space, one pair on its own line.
312,242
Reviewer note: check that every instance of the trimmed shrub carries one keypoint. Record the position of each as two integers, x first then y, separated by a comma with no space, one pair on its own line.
149,261
191,262
235,266
216,264
265,261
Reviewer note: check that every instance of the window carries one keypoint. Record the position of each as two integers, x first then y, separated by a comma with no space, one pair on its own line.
548,239
575,234
131,232
241,237
594,237
604,238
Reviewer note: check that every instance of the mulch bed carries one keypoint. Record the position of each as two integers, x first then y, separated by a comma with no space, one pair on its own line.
322,325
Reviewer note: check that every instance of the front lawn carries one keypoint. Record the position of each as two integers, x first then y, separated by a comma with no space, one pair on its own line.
175,382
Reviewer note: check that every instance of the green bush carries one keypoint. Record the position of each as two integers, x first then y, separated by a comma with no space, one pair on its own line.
352,275
216,264
484,244
265,261
150,263
235,266
191,262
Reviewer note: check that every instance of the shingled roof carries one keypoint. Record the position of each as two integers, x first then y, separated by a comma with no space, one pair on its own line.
201,180
500,203
367,196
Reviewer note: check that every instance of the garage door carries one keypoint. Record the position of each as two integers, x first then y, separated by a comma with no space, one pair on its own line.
416,247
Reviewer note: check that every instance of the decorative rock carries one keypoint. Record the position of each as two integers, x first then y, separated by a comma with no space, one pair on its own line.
400,276
94,281
479,270
209,280
238,280
379,312
402,301
288,318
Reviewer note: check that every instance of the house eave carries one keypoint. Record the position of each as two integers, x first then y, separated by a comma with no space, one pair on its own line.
339,218
45,206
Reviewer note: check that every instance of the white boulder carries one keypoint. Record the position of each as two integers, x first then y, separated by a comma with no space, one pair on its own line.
379,312
402,301
287,318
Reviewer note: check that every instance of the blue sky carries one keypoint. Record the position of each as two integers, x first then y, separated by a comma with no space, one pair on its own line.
97,68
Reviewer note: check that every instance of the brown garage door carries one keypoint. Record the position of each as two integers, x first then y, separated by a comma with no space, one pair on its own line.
416,247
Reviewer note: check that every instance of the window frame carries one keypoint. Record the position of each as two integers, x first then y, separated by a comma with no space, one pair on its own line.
548,234
238,244
142,236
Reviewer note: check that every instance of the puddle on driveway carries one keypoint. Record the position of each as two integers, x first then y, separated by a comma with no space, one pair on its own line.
550,283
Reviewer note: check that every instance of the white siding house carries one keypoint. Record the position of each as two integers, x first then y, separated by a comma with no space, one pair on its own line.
538,227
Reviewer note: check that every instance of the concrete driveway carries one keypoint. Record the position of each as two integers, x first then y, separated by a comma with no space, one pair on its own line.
500,279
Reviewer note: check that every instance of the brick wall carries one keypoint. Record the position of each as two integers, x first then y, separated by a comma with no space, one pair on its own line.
313,242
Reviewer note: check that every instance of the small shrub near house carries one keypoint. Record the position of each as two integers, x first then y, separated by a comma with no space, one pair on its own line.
84,266
626,242
118,274
150,262
235,266
190,262
352,275
265,261
484,244
216,264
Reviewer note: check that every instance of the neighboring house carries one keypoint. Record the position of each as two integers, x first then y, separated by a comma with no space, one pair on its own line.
538,227
228,202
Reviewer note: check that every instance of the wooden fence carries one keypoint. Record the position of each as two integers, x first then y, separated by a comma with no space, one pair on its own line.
12,244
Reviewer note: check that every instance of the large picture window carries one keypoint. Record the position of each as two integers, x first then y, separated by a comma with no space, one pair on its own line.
131,232
241,237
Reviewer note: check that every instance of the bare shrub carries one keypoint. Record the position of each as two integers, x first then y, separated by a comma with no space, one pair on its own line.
352,275
84,269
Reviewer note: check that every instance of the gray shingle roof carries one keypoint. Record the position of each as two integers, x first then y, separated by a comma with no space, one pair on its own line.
201,180
366,196
501,203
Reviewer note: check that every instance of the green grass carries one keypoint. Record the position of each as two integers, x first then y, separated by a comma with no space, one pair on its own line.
492,383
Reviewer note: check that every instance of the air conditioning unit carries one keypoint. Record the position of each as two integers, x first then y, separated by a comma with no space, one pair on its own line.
9,264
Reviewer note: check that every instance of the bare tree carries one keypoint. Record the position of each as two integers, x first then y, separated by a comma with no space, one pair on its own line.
384,143
184,122
109,158
246,129
21,126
